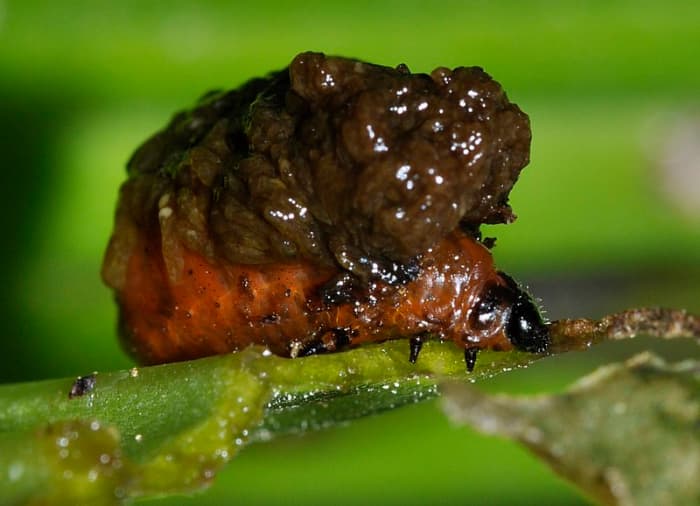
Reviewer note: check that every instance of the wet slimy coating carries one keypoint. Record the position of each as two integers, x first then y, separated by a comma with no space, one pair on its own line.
331,204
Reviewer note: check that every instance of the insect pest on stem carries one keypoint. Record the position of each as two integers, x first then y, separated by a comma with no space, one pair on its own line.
327,205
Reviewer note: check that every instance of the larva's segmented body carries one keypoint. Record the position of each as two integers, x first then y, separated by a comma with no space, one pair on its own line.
213,309
331,204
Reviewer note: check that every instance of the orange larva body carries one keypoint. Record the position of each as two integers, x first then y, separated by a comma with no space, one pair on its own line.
213,309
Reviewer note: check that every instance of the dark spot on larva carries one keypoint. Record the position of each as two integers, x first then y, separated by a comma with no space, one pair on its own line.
244,281
340,289
82,385
343,337
315,347
270,318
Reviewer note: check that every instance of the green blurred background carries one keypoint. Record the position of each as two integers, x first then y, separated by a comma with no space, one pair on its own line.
609,209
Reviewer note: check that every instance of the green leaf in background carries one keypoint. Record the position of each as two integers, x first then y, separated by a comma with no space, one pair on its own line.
628,434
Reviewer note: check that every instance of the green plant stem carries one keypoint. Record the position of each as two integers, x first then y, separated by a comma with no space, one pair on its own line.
170,428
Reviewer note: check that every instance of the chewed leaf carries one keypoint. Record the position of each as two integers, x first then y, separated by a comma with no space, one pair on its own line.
627,434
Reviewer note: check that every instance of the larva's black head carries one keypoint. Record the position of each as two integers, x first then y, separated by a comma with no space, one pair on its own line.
514,309
524,326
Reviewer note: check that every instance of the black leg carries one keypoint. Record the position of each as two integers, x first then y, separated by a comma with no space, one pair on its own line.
335,339
312,348
416,343
470,357
342,337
